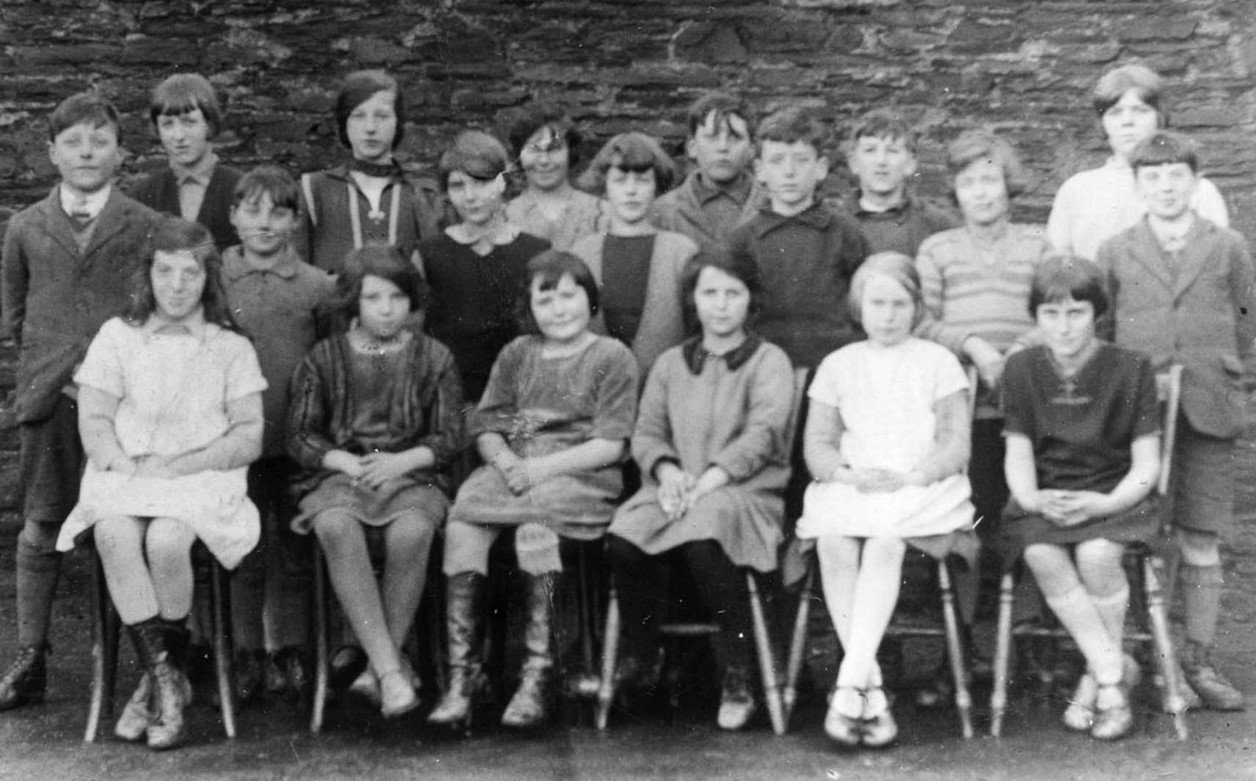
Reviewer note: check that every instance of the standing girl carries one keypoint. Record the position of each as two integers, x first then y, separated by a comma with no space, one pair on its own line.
886,440
552,428
710,442
170,412
370,199
547,143
639,267
373,420
476,267
1095,205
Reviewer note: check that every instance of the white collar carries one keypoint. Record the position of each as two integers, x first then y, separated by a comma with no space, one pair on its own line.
92,203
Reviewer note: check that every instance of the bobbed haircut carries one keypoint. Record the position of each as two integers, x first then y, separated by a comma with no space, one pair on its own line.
83,107
183,93
885,124
791,125
896,266
474,153
546,270
377,260
635,152
521,123
1165,148
175,234
720,106
739,266
361,86
973,145
1063,277
1145,82
269,180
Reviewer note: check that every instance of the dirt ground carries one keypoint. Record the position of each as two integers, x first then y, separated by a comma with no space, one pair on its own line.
44,743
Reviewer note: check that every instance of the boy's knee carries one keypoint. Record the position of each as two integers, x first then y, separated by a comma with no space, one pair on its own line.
39,537
1199,549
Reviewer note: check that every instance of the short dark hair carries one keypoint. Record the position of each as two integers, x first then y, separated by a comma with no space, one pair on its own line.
175,234
974,145
1164,148
636,152
271,180
183,93
476,154
1061,277
361,86
723,105
791,125
83,107
377,260
1145,82
521,123
548,268
883,123
898,267
741,266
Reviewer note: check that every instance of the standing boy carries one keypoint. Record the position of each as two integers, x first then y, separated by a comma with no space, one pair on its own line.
806,252
1182,292
882,156
717,193
276,298
66,268
185,113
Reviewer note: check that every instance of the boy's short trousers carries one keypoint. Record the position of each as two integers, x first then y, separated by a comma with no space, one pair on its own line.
1201,483
50,463
270,479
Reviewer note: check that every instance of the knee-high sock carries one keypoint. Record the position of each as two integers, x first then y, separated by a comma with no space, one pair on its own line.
37,574
1077,613
1112,612
1201,594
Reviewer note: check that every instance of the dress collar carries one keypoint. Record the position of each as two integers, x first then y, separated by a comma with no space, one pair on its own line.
194,326
696,355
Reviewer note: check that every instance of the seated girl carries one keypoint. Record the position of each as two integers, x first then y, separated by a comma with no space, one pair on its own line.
1083,453
711,444
170,412
476,267
370,199
374,418
547,143
639,267
886,441
551,428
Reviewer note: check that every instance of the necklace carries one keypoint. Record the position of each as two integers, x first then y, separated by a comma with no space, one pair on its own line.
1066,376
372,344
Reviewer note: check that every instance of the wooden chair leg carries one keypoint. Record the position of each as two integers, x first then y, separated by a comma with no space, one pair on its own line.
610,654
797,646
1174,702
224,647
955,650
1002,654
767,660
322,653
105,633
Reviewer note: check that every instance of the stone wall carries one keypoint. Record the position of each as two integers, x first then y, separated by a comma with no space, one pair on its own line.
1022,67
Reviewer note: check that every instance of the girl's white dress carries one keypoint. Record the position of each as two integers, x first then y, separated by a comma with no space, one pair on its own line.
886,397
173,386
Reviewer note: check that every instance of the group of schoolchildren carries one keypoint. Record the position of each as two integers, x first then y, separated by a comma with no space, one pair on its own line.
243,359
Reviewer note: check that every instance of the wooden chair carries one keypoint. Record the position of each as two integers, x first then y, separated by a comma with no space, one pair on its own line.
106,630
769,673
1151,620
950,628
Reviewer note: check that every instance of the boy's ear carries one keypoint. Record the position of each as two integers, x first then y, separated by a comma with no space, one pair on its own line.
822,168
757,166
689,147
